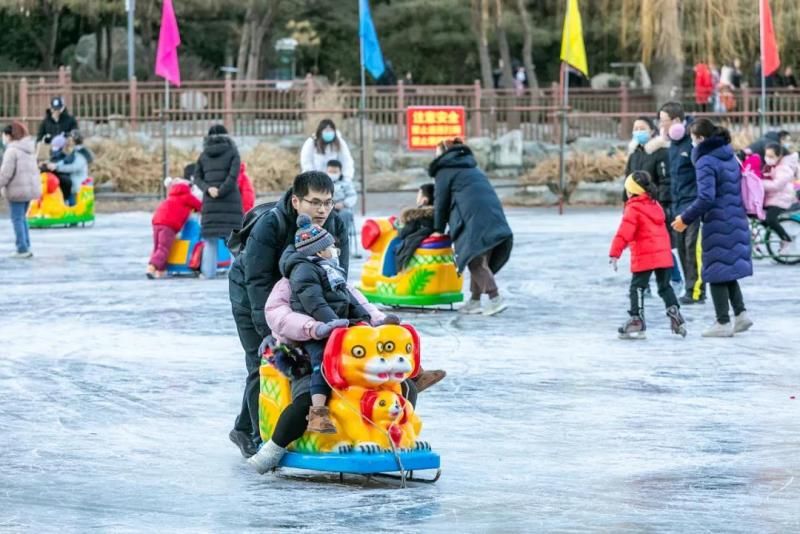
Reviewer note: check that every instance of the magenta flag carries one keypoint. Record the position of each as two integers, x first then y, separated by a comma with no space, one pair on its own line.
169,39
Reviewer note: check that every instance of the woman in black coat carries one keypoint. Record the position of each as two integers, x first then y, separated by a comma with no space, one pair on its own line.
467,203
217,174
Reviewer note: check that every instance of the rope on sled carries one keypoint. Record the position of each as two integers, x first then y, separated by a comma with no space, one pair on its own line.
357,411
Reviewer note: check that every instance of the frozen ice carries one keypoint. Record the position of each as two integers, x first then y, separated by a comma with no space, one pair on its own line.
117,394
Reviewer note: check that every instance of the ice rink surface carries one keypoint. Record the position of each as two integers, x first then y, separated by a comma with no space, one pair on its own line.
117,394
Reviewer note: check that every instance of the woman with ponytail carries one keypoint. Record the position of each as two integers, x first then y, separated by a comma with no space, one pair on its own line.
644,229
725,229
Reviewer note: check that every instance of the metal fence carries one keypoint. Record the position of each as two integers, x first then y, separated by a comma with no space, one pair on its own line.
273,108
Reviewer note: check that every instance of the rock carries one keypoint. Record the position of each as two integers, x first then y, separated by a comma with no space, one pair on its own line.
532,195
507,151
382,158
603,193
482,149
597,144
406,160
534,152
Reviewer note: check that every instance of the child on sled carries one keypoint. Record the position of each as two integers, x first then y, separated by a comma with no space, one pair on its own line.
319,289
643,228
168,219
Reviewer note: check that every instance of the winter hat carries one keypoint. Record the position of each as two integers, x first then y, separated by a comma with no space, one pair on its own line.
217,129
57,103
311,238
58,142
632,187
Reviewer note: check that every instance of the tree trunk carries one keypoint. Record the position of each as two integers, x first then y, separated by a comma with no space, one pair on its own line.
480,24
51,46
667,64
244,46
527,47
257,34
98,57
506,76
110,48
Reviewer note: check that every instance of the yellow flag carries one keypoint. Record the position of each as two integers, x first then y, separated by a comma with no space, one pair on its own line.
573,51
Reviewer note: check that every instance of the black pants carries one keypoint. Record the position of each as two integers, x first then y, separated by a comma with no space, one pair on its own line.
688,252
293,423
772,222
316,351
724,293
247,420
639,283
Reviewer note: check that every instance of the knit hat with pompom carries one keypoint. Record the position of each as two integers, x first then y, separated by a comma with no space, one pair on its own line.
311,238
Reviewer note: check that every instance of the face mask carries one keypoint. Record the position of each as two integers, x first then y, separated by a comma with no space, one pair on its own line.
335,177
328,136
677,132
695,143
771,161
641,137
787,145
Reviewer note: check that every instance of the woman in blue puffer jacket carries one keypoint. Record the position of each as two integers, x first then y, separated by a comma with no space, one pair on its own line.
726,231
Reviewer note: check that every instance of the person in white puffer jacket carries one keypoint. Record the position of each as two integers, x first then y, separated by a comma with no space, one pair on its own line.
325,145
19,182
779,194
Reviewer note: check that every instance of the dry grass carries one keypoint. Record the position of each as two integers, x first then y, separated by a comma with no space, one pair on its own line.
134,168
326,98
581,167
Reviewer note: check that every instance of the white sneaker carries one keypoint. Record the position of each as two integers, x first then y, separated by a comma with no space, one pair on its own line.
471,307
719,330
742,323
496,305
21,255
267,458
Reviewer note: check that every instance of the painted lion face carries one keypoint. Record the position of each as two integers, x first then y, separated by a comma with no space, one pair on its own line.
398,346
368,357
383,408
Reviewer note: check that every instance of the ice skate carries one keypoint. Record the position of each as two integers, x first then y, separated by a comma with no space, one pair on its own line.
742,323
319,420
719,330
495,306
267,458
151,271
471,307
426,379
677,323
634,328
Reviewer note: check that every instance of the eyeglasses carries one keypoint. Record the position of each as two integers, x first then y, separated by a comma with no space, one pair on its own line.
317,204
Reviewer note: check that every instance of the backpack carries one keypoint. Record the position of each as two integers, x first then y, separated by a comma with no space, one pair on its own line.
238,238
752,187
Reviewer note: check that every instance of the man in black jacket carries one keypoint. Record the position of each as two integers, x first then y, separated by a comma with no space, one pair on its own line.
56,121
255,271
683,182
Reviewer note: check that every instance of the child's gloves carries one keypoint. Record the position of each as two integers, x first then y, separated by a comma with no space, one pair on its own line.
267,343
325,329
388,319
613,263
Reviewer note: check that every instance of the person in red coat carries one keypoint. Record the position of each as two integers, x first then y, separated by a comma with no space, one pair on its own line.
246,189
703,86
643,228
169,218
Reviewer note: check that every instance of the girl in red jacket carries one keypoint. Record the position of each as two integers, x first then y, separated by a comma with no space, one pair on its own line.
643,228
169,218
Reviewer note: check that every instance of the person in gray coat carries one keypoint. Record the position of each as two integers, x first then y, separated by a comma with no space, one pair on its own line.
19,182
467,203
216,174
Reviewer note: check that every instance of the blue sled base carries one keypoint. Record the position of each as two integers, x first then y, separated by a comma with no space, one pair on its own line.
362,463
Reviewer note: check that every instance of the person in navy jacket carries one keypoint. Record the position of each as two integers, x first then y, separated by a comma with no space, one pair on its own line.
725,230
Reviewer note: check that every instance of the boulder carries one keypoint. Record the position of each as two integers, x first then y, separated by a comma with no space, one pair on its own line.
597,144
603,193
482,149
507,151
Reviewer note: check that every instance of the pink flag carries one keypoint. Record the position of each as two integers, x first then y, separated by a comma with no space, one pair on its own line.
168,42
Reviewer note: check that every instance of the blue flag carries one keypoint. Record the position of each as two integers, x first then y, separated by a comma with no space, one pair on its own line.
373,58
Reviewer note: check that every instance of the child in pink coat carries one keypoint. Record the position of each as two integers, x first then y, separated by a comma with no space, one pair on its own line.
778,183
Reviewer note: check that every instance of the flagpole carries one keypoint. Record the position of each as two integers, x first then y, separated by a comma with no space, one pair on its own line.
361,107
165,126
763,77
